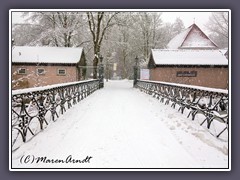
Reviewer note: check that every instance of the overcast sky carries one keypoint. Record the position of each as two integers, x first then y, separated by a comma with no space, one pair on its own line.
188,18
200,18
16,17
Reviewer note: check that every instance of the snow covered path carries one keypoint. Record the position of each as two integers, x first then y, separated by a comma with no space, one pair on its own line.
121,127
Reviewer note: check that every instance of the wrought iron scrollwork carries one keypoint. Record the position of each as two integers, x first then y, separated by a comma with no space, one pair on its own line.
210,103
32,111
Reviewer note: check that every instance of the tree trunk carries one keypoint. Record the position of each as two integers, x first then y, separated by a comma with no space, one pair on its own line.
95,64
95,60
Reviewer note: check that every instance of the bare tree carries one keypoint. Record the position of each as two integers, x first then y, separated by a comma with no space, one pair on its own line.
99,23
148,27
134,35
218,26
57,28
24,34
177,26
123,35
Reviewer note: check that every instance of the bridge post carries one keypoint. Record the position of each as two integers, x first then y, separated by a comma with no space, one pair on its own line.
135,72
101,74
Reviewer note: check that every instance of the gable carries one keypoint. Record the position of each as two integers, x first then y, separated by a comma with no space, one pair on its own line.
177,41
151,63
191,38
196,39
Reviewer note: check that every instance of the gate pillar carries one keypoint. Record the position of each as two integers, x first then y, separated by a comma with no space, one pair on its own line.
101,76
135,72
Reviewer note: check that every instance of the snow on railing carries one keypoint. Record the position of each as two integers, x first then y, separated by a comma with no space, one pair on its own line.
225,91
42,88
210,103
34,108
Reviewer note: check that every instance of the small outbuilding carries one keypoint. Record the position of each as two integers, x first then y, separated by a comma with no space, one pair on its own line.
41,66
192,59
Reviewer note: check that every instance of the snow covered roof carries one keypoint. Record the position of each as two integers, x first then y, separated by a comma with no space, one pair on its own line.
188,57
191,38
224,51
30,54
177,41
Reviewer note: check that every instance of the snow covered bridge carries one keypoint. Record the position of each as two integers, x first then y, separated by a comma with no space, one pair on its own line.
120,127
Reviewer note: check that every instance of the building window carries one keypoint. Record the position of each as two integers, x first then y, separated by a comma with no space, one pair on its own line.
61,72
40,71
186,73
22,71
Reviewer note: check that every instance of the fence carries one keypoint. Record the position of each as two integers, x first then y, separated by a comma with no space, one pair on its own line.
211,103
34,108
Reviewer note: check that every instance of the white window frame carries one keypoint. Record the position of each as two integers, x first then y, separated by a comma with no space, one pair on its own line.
18,71
42,72
60,74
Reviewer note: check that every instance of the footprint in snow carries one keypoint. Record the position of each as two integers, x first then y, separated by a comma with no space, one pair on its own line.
171,116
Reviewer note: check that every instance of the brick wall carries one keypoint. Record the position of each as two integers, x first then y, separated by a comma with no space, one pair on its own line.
31,79
214,77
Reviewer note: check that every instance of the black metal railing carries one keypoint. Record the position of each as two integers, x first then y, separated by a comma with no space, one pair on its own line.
211,103
34,108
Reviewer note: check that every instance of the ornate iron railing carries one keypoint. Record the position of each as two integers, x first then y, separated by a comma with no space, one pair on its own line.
34,108
211,103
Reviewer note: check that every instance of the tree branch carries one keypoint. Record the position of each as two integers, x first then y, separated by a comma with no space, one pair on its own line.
107,26
90,25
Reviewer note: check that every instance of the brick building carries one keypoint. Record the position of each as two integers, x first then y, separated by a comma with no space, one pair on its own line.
41,66
191,58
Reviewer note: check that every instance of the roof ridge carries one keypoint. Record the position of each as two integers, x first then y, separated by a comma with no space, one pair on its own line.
182,39
190,29
179,35
196,26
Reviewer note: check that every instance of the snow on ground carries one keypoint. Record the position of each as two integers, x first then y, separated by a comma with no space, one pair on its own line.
121,127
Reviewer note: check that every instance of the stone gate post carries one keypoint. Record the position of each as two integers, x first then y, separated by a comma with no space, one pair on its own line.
135,72
101,75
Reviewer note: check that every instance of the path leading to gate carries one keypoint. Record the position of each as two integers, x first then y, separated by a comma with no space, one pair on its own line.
121,127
